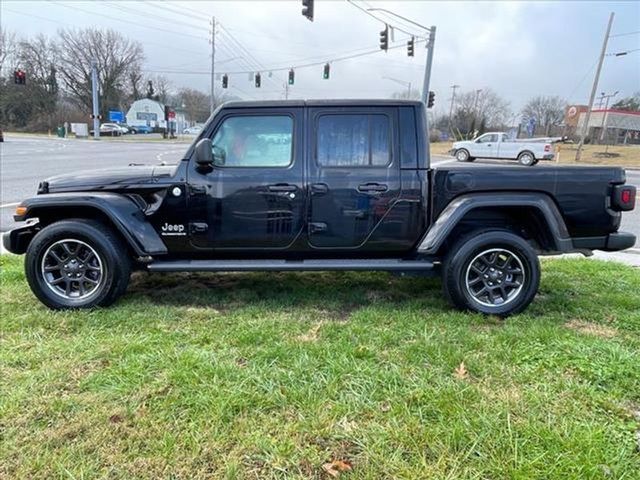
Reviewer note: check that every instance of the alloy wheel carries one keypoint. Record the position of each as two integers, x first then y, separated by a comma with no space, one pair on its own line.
72,269
495,277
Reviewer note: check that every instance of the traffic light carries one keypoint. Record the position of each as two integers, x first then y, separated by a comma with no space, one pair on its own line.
384,38
292,77
307,9
256,79
225,81
432,99
410,47
19,77
325,72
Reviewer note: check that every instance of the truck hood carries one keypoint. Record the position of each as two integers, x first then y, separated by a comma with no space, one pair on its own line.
108,179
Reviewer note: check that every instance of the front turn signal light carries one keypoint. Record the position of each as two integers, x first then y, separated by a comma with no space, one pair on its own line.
20,210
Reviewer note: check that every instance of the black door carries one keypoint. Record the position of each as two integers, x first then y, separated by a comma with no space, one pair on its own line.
253,198
354,174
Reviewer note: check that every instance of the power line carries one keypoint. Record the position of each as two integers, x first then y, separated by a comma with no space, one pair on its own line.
58,22
280,69
102,15
117,6
624,34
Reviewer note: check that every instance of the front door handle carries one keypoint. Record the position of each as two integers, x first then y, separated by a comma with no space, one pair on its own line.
372,188
282,187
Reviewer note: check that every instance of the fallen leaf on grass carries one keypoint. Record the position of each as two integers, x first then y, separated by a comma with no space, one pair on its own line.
461,372
336,467
312,334
116,419
385,407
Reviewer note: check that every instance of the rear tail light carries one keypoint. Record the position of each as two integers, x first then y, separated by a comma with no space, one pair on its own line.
624,197
547,148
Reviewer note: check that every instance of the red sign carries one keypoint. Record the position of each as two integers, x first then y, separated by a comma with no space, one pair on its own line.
172,115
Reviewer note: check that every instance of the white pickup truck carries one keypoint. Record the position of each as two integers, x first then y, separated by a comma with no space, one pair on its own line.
499,145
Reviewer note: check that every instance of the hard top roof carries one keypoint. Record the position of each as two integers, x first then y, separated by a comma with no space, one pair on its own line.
322,103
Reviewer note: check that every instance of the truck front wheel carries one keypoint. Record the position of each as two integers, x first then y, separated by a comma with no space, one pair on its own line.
77,264
462,155
491,272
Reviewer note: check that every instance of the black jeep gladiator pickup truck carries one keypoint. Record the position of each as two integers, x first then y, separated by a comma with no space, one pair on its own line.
317,185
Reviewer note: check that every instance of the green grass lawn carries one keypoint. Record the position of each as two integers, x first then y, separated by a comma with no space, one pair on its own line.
275,375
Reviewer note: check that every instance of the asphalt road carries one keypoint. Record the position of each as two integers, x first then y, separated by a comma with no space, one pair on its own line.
25,161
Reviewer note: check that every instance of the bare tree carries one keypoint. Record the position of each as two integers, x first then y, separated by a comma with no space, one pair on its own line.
546,110
196,103
116,56
631,103
8,46
479,109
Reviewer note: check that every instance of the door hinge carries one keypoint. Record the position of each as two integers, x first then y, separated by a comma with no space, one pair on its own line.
198,227
198,190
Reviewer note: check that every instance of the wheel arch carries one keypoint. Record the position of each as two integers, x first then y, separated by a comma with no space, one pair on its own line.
115,210
533,216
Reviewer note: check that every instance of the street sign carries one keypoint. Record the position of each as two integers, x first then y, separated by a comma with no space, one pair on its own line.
172,114
116,116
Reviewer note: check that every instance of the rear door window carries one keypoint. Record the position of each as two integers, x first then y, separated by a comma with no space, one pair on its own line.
353,140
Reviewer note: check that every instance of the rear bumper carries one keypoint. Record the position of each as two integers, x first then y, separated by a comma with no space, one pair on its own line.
609,243
548,156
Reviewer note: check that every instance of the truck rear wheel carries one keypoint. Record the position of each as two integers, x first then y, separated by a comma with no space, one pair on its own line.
77,264
527,159
491,272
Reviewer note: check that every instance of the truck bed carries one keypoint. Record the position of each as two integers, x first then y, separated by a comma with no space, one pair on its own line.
581,193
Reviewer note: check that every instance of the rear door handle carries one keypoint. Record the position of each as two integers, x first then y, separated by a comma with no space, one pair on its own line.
282,187
319,188
372,187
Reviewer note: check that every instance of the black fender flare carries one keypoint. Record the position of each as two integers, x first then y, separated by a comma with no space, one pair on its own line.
122,211
460,206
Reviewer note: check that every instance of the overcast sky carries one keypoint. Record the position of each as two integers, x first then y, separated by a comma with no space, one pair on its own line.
520,49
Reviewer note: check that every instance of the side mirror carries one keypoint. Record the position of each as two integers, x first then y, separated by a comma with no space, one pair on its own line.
204,155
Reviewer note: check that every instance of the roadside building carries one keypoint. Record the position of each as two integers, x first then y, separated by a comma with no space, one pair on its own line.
606,126
146,112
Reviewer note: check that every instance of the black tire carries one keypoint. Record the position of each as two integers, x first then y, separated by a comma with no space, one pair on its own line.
462,155
527,159
467,272
84,254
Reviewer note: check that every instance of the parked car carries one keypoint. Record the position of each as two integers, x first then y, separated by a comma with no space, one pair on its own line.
141,129
195,130
317,185
109,130
126,129
499,145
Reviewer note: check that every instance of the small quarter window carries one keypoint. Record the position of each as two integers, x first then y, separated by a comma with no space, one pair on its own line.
353,141
254,141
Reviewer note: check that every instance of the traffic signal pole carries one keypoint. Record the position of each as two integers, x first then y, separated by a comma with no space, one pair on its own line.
95,100
428,64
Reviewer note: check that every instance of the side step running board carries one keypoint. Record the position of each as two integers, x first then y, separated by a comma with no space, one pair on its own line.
386,265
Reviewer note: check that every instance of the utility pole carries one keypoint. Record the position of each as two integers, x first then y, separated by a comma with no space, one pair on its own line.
596,79
213,60
453,98
95,99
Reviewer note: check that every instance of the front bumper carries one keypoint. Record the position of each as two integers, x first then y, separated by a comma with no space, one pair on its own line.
17,240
